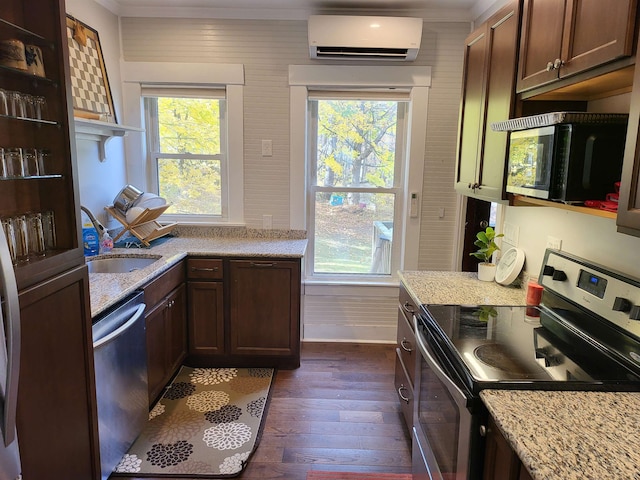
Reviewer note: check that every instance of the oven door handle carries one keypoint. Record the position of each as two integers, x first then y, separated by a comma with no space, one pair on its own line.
459,396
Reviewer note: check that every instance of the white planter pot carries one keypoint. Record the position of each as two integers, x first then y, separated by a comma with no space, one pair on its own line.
486,272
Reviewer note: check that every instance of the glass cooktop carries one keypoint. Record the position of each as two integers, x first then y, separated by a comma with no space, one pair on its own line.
524,347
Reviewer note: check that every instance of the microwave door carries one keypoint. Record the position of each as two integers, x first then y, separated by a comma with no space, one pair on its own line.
10,468
530,159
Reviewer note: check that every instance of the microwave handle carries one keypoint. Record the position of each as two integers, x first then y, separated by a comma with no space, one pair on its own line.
588,163
455,391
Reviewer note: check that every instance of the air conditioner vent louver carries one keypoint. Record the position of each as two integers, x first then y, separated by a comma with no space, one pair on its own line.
364,37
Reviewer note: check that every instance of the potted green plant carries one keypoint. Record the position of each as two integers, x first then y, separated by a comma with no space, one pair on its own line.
485,241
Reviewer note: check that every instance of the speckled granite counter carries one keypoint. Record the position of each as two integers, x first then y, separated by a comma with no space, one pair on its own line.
108,288
571,435
461,288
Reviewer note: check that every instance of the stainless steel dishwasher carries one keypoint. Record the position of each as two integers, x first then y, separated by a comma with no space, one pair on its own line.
120,355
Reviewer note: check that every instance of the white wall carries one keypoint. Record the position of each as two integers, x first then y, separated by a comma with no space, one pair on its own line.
100,181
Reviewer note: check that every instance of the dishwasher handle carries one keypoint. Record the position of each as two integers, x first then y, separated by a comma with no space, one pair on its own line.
123,328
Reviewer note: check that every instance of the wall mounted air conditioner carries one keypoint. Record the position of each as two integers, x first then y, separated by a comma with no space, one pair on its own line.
364,38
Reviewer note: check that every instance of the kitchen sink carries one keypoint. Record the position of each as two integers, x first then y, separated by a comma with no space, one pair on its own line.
120,264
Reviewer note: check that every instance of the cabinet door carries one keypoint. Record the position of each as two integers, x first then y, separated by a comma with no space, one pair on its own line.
502,39
206,318
540,42
596,32
628,218
177,328
500,461
264,308
471,111
488,96
57,416
156,350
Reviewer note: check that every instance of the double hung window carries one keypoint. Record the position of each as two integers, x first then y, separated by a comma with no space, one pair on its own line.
355,194
187,151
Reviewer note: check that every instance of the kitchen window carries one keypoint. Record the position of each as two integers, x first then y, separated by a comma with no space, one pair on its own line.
355,190
186,144
338,184
192,150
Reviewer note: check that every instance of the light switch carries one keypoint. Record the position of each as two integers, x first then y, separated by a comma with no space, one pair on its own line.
267,148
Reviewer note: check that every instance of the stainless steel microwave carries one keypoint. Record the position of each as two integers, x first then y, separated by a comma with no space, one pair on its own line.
567,162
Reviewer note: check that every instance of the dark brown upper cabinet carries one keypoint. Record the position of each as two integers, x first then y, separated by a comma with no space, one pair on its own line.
488,95
563,38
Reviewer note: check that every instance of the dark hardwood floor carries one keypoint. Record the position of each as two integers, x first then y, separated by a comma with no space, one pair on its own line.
339,411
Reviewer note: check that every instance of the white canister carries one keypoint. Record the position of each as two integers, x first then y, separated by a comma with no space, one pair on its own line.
33,57
12,54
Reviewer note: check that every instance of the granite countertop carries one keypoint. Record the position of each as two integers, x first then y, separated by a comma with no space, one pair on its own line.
570,435
461,288
107,289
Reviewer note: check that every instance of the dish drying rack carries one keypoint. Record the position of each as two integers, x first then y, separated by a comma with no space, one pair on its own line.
145,227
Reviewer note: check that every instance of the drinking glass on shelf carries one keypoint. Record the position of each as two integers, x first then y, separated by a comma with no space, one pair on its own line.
17,103
9,232
35,235
30,165
49,230
40,108
4,102
3,165
44,162
13,163
21,230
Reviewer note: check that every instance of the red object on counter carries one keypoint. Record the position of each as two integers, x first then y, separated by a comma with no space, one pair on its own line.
534,296
609,206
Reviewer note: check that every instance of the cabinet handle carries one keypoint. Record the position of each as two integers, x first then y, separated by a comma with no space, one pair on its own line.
262,265
550,66
402,397
557,63
405,307
483,431
201,269
404,344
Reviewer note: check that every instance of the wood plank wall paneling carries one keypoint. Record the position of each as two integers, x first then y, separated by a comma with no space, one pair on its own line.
267,48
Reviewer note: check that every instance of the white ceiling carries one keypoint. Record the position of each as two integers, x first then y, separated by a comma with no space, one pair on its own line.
299,9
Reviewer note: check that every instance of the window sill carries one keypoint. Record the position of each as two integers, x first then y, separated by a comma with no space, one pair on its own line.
387,287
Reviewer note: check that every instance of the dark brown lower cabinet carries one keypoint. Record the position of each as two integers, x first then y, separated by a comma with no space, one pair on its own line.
166,325
57,416
206,318
500,461
264,311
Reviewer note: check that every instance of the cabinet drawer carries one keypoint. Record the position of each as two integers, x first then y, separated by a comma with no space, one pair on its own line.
406,345
407,304
204,268
159,288
404,390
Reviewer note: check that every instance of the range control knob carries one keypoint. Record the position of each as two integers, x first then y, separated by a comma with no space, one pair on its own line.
559,275
621,304
548,270
634,314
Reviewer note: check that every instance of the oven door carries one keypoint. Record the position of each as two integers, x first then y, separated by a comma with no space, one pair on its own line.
446,433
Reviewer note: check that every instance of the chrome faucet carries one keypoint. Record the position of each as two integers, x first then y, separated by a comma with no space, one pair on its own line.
97,225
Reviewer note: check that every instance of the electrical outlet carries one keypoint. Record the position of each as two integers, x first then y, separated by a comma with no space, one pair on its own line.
267,222
554,242
267,148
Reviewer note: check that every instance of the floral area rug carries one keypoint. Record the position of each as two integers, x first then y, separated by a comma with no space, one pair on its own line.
207,424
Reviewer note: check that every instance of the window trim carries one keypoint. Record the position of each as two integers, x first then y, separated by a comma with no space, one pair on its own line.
136,75
302,79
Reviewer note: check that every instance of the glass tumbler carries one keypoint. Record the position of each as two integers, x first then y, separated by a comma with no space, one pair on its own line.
49,230
14,167
21,231
3,164
4,102
35,235
44,162
17,104
30,165
9,233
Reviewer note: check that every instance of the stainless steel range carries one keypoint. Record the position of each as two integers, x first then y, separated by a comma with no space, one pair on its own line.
585,335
